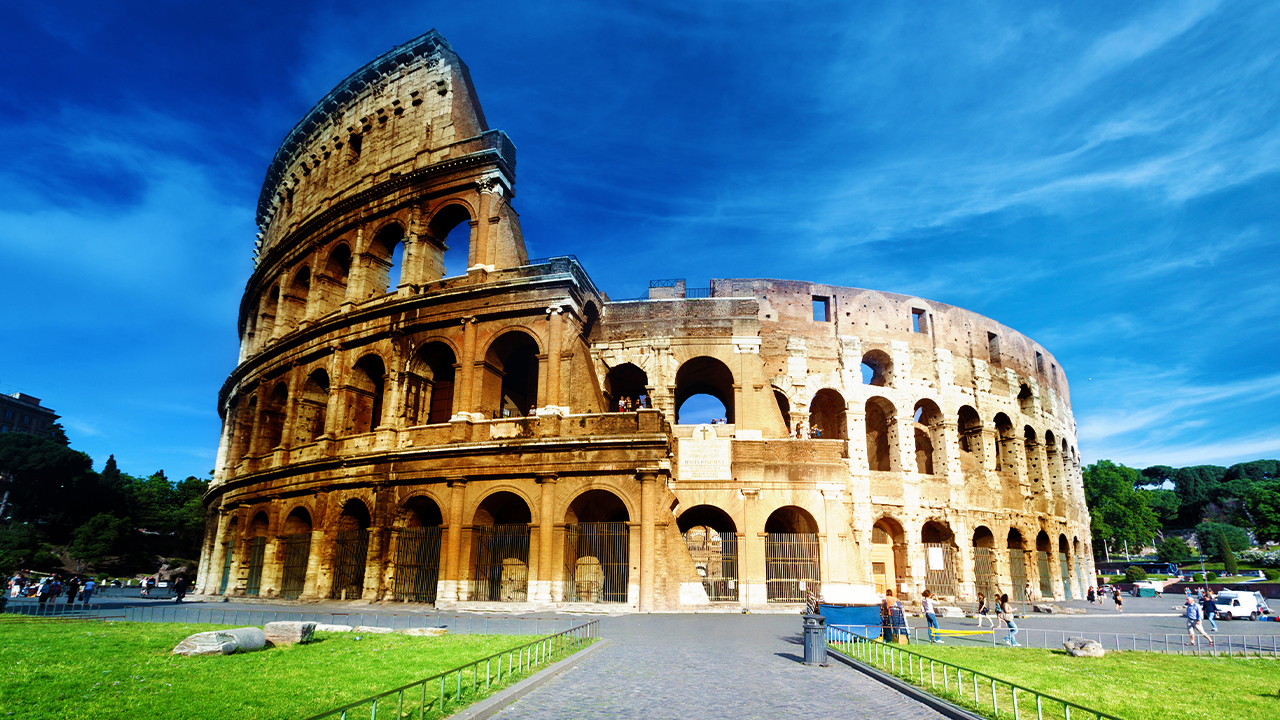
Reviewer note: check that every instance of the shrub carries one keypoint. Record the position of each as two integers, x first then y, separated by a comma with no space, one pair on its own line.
1133,573
1271,574
1173,549
1197,578
1228,557
1212,576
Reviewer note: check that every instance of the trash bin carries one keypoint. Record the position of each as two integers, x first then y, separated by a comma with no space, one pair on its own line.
815,640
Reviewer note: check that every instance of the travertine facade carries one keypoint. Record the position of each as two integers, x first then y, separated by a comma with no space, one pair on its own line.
509,435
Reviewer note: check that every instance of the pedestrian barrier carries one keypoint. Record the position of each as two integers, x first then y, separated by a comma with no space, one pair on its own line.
911,666
1168,643
430,696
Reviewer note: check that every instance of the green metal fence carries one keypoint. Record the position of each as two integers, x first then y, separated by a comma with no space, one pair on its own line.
453,689
977,689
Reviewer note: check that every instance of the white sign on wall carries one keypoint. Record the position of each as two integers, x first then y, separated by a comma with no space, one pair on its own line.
935,559
704,456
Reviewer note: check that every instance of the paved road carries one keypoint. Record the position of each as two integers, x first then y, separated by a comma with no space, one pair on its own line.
708,667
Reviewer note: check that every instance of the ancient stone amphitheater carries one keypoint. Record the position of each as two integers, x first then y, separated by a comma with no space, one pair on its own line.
509,435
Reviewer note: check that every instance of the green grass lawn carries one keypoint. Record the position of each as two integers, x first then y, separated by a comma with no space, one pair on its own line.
62,669
1129,685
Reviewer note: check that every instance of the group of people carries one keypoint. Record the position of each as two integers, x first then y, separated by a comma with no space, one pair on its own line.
1004,613
1196,610
1095,595
626,404
812,433
51,587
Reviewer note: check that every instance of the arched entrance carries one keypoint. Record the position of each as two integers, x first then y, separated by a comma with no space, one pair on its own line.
229,553
888,544
1017,565
1044,564
827,415
597,549
256,553
985,579
500,546
350,551
791,555
1064,565
417,551
624,386
939,558
705,376
428,397
712,539
880,436
511,376
297,550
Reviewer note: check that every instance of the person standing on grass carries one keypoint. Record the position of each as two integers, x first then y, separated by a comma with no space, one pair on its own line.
1209,607
1194,614
931,615
1115,595
983,610
1006,616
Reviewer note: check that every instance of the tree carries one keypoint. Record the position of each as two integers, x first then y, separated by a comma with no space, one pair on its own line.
44,475
1263,502
1117,511
1133,573
1173,549
97,539
1228,557
1207,536
1194,486
1165,504
58,434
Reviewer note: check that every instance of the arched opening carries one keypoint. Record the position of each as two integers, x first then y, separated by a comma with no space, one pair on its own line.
229,553
1005,455
985,580
1017,564
1044,564
969,426
365,394
791,555
888,555
1025,400
273,418
312,409
877,368
334,279
939,558
712,539
500,546
590,320
295,299
1035,472
597,548
881,435
784,407
428,396
449,250
703,376
928,437
1064,566
1053,468
267,313
827,415
255,553
626,388
386,259
417,539
350,551
511,376
242,427
1077,552
297,552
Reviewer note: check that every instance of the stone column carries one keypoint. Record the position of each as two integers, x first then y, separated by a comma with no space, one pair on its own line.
856,419
217,558
555,316
451,579
319,580
648,555
290,413
541,590
751,577
465,389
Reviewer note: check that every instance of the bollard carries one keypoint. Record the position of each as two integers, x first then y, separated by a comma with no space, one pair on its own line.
815,640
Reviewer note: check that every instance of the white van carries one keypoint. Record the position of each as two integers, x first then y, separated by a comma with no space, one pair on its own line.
1234,604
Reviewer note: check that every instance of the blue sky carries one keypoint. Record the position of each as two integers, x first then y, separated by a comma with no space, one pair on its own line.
1100,176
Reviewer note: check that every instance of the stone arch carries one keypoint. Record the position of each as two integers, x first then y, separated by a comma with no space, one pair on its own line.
510,383
366,391
296,552
267,309
985,577
1018,577
881,422
1004,437
624,385
333,279
418,511
1034,467
704,375
440,256
597,547
877,368
500,547
711,537
969,430
929,438
792,567
296,296
590,321
416,538
1045,563
827,415
784,407
350,549
271,432
1026,401
255,552
384,259
240,418
429,384
312,408
230,552
888,554
941,568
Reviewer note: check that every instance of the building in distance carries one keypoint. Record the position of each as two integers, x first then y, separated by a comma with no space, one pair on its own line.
22,413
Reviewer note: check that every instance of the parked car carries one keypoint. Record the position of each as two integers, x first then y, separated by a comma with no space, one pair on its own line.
1234,604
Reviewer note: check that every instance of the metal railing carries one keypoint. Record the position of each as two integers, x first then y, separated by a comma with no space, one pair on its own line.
430,696
1167,644
911,666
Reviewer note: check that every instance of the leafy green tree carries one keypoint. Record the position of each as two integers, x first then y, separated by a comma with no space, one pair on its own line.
1173,549
97,539
1165,504
58,434
19,544
1195,486
44,476
1228,557
1263,503
1207,536
1117,511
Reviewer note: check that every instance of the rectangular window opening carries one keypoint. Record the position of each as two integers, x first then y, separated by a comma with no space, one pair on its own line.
919,321
993,348
821,308
1039,363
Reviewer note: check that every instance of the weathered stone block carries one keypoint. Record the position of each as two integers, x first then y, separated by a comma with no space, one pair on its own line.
1084,647
289,632
369,629
215,642
324,627
426,632
248,638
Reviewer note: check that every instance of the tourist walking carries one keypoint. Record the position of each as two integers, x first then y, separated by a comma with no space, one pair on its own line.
73,589
1194,614
1006,616
931,615
180,588
89,587
1093,595
984,610
1209,606
1115,595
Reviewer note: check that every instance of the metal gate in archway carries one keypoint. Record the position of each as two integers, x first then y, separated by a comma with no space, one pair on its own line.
229,559
297,550
791,566
597,562
984,573
257,551
1046,576
417,564
1018,573
1066,574
502,563
350,551
715,555
939,569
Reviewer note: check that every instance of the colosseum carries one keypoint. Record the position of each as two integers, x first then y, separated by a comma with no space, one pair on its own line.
501,433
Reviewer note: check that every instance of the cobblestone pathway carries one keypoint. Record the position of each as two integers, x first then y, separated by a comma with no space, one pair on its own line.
709,667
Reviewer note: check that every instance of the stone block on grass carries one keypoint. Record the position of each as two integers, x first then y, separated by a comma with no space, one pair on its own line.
1084,647
249,638
426,632
289,632
326,627
215,642
370,629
